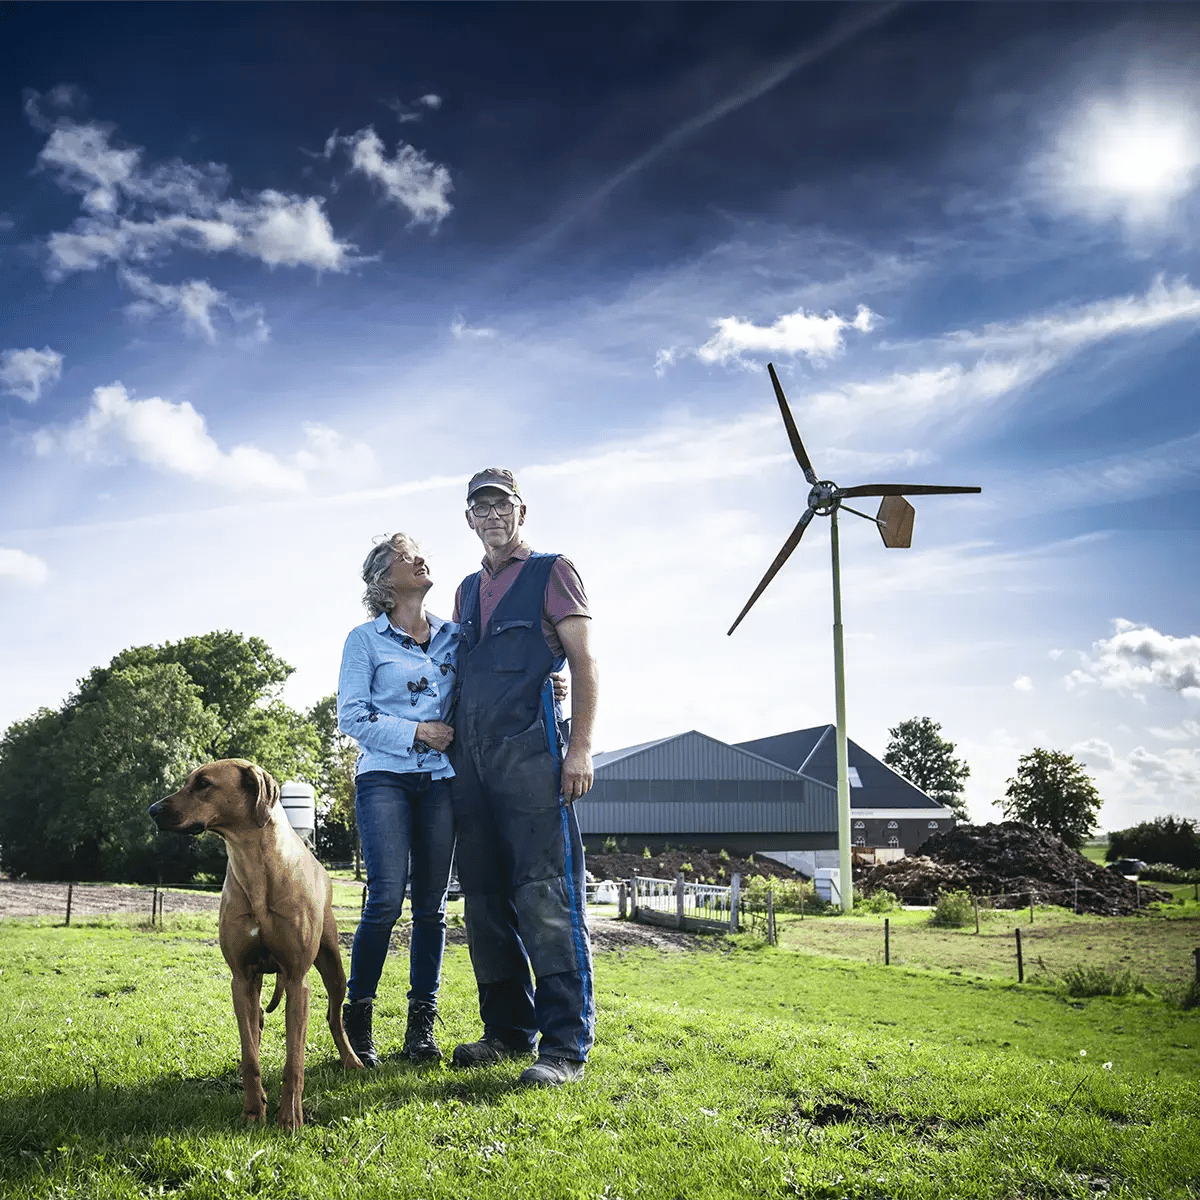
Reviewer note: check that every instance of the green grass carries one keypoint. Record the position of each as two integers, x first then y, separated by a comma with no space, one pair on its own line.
731,1071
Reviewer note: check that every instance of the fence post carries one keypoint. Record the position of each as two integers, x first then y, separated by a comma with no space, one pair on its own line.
887,942
679,899
633,904
154,905
70,889
975,901
770,916
1020,961
1196,956
735,900
621,901
1077,898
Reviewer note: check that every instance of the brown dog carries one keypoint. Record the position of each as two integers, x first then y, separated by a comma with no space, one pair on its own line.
276,917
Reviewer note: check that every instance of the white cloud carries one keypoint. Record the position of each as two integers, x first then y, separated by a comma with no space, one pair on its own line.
1162,304
1177,767
409,180
22,567
196,302
799,332
1095,753
171,437
132,213
1023,683
430,100
26,372
462,330
331,453
1131,159
1185,731
1138,657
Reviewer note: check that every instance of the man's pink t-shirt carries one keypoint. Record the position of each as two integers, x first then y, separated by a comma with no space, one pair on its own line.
565,596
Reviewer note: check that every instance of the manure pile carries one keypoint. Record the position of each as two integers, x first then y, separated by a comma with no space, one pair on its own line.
1007,862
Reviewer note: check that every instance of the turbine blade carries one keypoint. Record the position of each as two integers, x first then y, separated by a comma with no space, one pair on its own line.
902,489
773,570
793,433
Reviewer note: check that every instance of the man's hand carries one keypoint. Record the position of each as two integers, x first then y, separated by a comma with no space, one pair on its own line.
576,775
559,683
435,734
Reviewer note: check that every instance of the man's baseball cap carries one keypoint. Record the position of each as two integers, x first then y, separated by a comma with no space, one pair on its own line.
493,477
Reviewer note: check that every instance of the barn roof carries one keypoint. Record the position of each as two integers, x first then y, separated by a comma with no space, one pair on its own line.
688,756
813,752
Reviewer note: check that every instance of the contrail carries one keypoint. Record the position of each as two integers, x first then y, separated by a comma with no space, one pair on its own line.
772,79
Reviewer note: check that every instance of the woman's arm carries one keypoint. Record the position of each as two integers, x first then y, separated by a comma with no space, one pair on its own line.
357,715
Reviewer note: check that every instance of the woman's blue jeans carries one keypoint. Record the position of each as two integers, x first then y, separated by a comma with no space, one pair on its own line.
402,817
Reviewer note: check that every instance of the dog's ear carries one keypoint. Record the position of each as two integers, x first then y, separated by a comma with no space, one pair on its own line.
263,788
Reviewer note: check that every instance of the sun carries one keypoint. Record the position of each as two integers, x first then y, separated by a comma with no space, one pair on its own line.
1130,159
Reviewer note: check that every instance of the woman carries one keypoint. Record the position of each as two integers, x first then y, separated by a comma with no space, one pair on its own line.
394,692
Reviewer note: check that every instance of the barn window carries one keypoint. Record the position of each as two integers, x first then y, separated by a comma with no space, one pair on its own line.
933,825
860,841
893,825
859,825
893,841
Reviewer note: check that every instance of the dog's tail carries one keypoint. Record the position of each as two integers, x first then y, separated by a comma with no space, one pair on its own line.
274,1003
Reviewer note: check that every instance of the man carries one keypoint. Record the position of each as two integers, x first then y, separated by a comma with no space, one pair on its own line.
519,855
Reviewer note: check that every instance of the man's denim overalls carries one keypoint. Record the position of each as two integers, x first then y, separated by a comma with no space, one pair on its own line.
519,855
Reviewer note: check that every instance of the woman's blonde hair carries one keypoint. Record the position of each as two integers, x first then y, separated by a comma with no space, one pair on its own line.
380,596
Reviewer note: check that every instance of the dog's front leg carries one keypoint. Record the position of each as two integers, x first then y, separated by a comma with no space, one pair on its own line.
247,1007
291,1109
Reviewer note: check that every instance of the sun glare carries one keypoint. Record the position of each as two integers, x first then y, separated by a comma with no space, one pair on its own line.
1132,160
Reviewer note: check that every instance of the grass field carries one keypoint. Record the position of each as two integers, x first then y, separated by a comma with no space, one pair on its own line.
732,1070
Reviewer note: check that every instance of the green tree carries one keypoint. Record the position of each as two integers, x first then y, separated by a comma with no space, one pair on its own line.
108,759
1164,840
75,783
337,829
918,751
1052,791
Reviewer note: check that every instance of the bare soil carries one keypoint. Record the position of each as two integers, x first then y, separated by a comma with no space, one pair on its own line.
1009,861
28,898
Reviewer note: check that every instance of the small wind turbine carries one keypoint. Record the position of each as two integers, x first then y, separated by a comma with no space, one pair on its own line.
895,523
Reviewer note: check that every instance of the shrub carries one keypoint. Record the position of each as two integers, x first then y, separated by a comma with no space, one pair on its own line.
1171,840
1191,997
879,901
610,845
723,855
953,908
1169,873
687,866
646,852
1087,979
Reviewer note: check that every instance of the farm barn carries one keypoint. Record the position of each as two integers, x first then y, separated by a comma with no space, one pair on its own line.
775,796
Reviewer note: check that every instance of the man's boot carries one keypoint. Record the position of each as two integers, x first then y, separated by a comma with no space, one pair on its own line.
419,1046
356,1017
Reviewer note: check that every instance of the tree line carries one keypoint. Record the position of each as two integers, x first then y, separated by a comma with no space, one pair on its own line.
75,782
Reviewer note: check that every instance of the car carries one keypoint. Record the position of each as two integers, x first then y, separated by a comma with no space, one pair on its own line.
1131,868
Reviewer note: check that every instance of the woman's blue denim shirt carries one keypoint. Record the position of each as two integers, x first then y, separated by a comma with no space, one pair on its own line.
388,685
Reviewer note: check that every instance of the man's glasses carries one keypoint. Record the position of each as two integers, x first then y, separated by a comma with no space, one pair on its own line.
502,508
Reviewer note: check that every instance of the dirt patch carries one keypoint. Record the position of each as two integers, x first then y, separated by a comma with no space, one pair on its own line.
1007,862
27,898
608,933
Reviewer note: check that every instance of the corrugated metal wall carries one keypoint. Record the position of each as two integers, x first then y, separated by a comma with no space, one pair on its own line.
662,806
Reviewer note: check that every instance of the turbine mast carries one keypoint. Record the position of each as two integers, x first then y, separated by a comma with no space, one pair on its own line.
846,886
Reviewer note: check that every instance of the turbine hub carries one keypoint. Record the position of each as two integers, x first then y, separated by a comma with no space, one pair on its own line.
822,499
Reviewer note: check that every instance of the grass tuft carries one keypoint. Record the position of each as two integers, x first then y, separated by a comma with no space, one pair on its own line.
1087,979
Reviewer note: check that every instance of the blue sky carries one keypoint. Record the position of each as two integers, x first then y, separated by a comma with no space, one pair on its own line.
277,279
